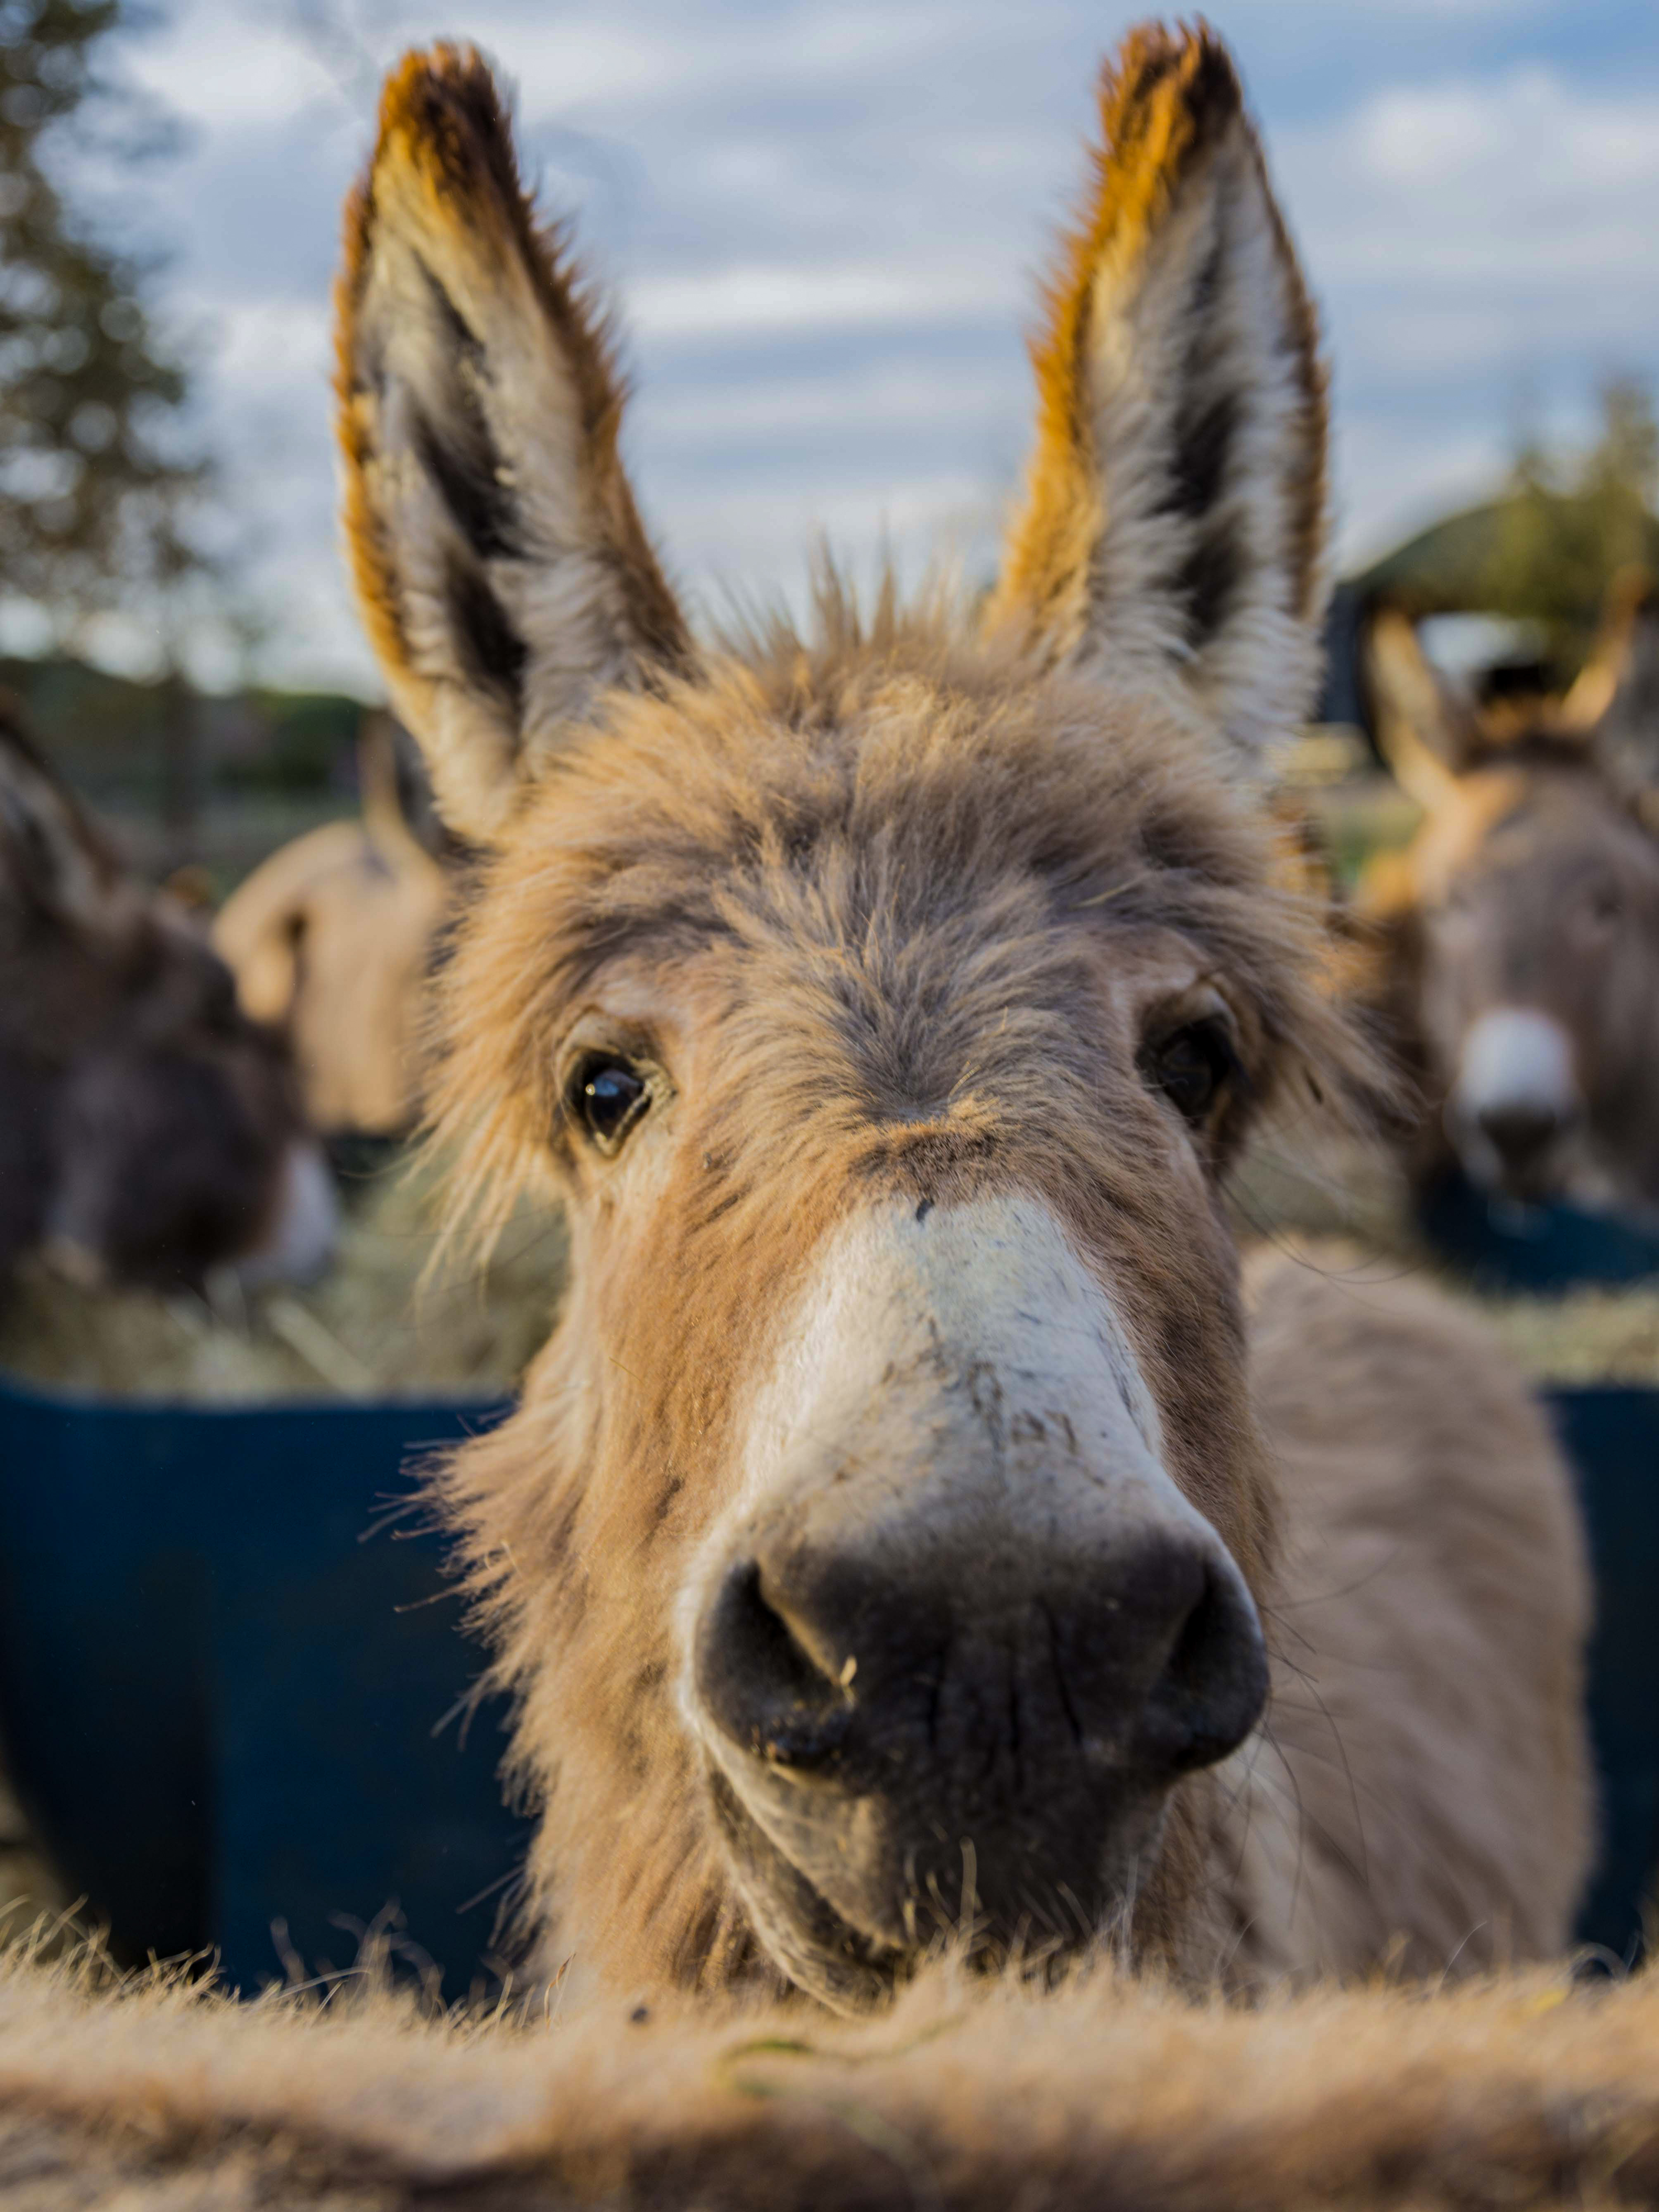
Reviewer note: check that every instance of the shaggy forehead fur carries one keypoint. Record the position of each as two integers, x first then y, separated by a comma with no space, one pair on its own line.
914,840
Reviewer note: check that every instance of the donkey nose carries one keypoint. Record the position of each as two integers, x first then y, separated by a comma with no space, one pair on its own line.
1143,1661
1520,1131
760,1681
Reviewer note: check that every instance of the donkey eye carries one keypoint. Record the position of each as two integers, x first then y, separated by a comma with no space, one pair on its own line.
607,1096
1190,1065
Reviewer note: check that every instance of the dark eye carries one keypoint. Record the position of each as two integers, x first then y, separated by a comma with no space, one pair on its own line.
607,1096
1190,1065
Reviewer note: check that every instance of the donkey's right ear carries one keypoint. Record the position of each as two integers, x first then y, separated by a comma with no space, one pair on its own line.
500,565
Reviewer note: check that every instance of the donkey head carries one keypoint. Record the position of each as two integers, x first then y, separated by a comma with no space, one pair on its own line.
148,1132
1523,923
877,1551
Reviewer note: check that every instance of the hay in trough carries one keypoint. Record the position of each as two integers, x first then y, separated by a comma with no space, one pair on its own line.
373,1326
1519,2093
1346,1206
1591,1334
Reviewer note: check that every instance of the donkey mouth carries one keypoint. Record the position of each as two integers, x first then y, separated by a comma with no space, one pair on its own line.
849,1903
846,1967
898,1769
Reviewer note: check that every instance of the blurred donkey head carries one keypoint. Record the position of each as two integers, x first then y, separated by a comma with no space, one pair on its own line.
149,1133
1521,931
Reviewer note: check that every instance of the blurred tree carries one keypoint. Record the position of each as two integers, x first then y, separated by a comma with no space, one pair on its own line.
95,485
1570,521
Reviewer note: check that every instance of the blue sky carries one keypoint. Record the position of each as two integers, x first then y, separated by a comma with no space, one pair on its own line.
824,225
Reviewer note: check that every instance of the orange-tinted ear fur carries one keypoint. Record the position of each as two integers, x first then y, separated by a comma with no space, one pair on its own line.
1174,517
502,570
1428,734
1615,700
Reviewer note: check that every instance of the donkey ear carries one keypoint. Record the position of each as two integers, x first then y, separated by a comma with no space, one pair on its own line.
51,858
1615,699
500,565
1426,731
1174,517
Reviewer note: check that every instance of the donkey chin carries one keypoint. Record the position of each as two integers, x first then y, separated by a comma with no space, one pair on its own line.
962,1633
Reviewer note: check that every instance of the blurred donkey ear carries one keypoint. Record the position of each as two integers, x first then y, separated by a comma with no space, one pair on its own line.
1615,702
1427,731
1174,517
500,565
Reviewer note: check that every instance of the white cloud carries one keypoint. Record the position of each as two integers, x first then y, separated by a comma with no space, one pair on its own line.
1522,185
881,399
1532,133
220,67
736,301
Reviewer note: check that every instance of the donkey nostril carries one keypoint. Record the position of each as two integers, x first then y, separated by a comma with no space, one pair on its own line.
1214,1682
1519,1134
759,1684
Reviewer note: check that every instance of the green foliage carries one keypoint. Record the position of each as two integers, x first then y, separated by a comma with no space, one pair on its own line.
107,734
93,506
1571,521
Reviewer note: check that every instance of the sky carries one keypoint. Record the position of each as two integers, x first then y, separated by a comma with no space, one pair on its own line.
824,226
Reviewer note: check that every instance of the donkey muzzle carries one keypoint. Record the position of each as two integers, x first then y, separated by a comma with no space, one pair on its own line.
938,1757
964,1632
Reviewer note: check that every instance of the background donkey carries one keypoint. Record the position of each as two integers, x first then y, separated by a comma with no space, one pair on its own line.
331,940
149,1133
1518,938
887,1545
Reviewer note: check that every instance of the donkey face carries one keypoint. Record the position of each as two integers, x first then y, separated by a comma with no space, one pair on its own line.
1532,920
877,1551
146,1132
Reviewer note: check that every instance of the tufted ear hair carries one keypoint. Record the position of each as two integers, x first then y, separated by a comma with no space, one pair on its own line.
502,571
1173,524
1615,700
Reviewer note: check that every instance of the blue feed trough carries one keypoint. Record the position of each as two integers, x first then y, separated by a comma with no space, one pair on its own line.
225,1701
224,1698
1502,1246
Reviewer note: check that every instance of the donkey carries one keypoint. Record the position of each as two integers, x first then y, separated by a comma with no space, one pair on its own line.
1518,938
908,1536
149,1133
331,939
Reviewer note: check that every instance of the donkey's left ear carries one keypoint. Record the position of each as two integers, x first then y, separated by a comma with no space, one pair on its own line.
500,565
1614,702
1174,522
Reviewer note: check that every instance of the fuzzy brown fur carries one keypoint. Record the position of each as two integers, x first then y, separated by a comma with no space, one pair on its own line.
1520,2093
893,922
889,917
875,888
